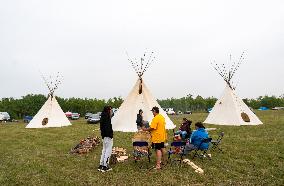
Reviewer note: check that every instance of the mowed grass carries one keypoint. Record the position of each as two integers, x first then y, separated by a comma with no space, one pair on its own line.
253,155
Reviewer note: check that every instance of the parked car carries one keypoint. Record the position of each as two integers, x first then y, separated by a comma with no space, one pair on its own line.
179,112
4,116
27,119
75,116
277,108
94,118
88,114
170,111
209,110
188,112
68,114
114,110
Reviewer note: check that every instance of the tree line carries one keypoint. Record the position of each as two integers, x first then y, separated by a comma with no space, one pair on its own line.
31,103
200,104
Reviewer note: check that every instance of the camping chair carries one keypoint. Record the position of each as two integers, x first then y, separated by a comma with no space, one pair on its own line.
177,147
216,143
141,149
200,152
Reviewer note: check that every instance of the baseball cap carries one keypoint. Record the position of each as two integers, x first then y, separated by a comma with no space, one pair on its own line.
156,109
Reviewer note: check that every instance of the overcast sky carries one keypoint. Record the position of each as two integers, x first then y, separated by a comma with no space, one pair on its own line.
86,42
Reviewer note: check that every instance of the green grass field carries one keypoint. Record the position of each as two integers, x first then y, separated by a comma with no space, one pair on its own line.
253,155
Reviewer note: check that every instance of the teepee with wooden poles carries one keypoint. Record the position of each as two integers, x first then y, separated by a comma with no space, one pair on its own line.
50,114
139,97
230,109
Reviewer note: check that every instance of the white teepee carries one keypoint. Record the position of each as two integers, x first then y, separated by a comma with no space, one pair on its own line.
139,98
230,109
50,114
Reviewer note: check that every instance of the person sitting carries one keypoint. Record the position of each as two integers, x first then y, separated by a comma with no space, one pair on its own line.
139,120
196,138
184,129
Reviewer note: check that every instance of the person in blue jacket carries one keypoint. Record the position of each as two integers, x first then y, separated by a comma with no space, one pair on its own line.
196,138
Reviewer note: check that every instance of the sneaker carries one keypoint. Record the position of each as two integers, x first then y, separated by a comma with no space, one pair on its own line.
100,168
106,169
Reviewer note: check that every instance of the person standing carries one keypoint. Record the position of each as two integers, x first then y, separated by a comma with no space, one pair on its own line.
107,137
158,135
139,120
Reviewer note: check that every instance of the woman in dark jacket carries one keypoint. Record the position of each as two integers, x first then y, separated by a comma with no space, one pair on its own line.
139,120
107,136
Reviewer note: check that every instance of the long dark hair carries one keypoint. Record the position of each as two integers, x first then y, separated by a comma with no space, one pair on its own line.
199,125
106,110
187,121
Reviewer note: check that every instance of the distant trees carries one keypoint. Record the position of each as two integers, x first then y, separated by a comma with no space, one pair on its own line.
85,105
188,103
265,101
200,104
31,103
27,105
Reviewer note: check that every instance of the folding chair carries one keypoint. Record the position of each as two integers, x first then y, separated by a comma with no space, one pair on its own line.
142,152
203,152
177,147
216,143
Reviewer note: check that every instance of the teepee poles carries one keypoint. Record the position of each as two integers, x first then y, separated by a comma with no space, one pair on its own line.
227,72
140,66
52,84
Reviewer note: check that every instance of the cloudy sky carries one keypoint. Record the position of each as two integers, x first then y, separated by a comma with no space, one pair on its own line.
86,42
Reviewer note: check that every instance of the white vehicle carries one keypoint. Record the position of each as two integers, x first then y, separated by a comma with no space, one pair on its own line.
179,112
114,110
75,116
170,111
4,116
277,108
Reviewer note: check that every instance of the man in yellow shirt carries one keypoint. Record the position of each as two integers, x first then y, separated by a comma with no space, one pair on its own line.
158,135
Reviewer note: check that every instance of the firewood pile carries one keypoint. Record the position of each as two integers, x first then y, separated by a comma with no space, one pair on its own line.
140,151
118,155
86,145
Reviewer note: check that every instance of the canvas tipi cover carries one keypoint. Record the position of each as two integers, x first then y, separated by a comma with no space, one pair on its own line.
231,110
125,118
50,115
